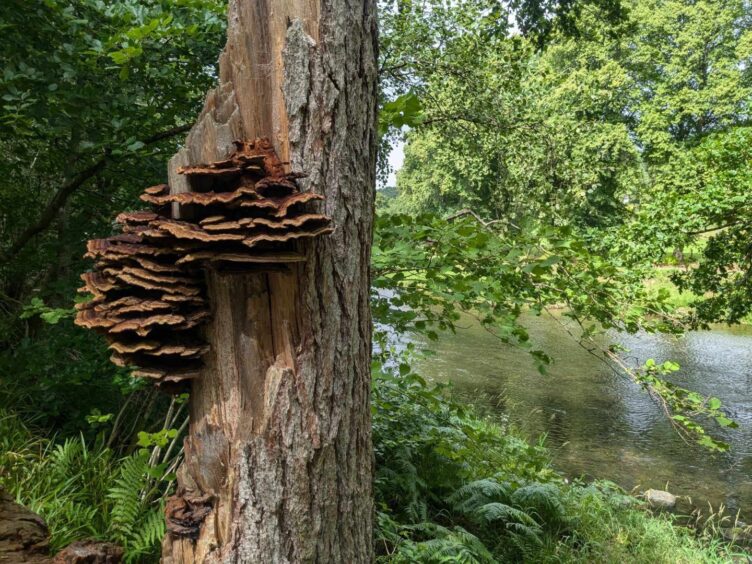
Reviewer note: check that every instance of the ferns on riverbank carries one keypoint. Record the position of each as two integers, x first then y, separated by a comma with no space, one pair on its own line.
450,486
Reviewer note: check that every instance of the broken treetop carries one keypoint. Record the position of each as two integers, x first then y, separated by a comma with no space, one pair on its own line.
149,296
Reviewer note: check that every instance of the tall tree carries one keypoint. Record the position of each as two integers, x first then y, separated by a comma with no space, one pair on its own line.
279,445
495,132
92,96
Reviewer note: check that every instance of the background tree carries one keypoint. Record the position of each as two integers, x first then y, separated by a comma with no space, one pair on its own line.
94,96
496,134
630,130
91,91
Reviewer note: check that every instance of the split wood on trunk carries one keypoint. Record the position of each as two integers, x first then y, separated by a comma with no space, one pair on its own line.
278,462
148,284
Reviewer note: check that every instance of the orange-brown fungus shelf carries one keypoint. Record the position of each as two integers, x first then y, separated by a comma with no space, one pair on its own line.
148,285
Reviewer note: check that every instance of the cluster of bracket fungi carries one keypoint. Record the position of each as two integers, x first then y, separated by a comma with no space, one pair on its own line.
148,284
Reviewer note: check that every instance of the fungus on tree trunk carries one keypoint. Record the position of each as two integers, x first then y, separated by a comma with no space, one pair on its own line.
244,212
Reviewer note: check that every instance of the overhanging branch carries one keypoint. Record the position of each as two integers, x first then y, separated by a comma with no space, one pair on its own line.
468,212
65,191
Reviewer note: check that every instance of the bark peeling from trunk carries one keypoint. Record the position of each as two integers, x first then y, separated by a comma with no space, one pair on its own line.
278,462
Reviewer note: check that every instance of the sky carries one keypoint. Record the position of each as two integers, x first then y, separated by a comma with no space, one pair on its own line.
396,158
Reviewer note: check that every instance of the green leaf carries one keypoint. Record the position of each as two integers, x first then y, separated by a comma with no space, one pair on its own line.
726,422
135,146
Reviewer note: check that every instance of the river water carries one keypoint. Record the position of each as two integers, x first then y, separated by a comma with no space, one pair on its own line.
599,425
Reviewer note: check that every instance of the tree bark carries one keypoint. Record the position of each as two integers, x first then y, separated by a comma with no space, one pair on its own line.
278,461
24,536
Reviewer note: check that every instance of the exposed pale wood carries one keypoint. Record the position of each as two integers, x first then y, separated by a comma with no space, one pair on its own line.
279,438
258,258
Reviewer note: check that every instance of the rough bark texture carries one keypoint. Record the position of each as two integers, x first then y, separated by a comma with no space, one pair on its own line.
25,539
279,446
24,536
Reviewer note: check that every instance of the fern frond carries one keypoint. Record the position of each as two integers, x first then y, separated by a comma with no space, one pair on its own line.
125,496
495,511
478,493
448,545
542,499
147,538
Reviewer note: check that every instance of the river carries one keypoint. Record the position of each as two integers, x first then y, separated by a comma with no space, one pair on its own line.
599,425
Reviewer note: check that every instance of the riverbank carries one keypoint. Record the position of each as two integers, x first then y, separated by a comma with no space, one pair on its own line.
453,485
661,281
581,406
682,300
450,485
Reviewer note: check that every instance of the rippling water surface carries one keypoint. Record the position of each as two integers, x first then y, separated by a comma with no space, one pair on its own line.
601,425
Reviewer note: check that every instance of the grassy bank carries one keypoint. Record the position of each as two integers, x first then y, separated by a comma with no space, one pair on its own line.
682,300
453,486
450,486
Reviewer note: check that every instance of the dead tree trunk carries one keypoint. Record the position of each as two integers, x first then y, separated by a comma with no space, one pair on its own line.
278,461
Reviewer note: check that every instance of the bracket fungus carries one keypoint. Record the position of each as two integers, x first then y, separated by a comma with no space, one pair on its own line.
243,213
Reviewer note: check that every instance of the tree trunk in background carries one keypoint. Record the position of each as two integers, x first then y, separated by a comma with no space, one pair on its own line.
279,450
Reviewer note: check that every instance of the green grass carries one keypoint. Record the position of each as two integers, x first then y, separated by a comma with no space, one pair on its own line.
661,281
692,252
611,527
682,301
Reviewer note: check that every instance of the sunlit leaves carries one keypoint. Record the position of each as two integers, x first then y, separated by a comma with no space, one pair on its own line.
405,110
48,314
429,271
687,409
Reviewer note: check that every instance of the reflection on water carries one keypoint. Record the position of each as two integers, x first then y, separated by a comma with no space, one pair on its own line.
601,425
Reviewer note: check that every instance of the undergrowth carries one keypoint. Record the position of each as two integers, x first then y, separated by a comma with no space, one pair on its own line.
83,491
450,486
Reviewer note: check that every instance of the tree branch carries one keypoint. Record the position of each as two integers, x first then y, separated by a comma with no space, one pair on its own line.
715,228
167,133
64,192
467,211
